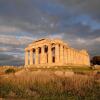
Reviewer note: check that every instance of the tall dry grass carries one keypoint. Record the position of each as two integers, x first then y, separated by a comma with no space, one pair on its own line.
48,86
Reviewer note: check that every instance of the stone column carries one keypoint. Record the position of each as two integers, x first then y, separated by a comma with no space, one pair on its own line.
42,55
74,57
57,53
84,59
36,56
26,57
77,58
65,55
31,57
80,59
88,60
68,56
49,54
61,54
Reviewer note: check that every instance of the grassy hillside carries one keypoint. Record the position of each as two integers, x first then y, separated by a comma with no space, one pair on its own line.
50,84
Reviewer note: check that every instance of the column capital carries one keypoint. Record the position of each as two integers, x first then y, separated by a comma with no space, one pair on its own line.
36,48
31,49
26,49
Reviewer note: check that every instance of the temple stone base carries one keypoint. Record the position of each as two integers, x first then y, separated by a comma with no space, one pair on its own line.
50,53
55,66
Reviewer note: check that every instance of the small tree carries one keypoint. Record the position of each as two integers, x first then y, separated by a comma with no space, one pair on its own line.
95,60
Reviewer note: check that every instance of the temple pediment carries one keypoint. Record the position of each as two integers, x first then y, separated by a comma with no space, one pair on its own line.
47,41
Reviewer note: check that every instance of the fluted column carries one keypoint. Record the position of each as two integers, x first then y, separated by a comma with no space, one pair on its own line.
74,57
57,53
65,55
68,57
81,59
26,57
42,55
78,58
49,54
84,59
61,54
31,57
36,56
88,60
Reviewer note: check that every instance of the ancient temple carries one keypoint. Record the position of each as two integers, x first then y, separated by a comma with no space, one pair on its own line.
54,52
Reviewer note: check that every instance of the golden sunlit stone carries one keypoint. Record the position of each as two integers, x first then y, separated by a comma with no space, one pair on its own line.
54,52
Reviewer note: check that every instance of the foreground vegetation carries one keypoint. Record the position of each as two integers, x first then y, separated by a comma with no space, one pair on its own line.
46,85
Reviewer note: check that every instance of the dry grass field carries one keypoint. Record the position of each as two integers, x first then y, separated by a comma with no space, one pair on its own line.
28,84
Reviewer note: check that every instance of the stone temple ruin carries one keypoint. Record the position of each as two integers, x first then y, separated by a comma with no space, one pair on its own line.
54,52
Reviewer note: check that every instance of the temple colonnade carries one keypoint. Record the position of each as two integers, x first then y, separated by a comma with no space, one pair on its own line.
54,54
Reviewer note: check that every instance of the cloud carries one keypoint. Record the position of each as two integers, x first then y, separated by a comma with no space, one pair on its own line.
57,35
21,21
8,29
89,6
6,59
14,40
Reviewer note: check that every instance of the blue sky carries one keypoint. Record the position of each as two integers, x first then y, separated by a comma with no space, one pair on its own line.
77,22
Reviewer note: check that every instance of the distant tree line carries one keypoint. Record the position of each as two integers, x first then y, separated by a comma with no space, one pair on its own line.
95,60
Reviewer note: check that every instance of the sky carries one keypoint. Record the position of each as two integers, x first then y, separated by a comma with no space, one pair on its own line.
77,22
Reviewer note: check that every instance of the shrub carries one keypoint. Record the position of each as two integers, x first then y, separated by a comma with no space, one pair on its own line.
10,70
